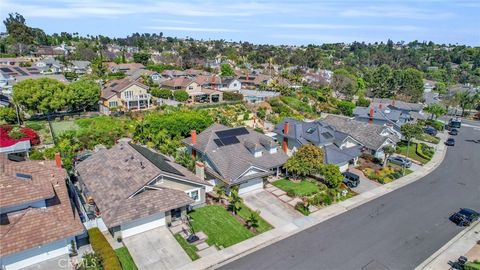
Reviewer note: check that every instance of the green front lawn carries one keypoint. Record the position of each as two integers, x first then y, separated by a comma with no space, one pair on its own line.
263,226
125,259
219,225
300,189
191,250
412,152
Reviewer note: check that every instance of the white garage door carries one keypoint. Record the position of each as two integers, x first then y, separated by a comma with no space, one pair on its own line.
251,185
36,255
143,224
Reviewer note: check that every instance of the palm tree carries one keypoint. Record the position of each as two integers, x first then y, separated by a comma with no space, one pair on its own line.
252,220
235,201
220,191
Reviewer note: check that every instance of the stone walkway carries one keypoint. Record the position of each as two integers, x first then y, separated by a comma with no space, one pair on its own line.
282,195
184,230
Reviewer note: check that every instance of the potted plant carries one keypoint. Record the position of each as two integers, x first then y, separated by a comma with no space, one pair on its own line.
73,249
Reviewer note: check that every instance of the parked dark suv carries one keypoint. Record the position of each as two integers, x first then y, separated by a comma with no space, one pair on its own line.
350,179
464,217
430,131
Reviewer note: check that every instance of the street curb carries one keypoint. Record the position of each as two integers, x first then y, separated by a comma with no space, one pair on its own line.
439,252
319,216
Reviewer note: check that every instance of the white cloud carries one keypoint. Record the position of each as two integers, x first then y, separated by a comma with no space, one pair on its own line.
395,12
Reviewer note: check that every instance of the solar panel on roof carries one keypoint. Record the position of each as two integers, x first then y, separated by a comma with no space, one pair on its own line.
19,70
327,135
218,142
4,69
232,132
229,140
113,84
156,159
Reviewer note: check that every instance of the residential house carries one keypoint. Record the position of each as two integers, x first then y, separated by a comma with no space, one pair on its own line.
251,81
50,65
38,222
173,73
236,156
129,189
128,68
9,75
79,67
50,51
254,96
195,91
340,148
124,95
230,84
428,86
16,61
373,137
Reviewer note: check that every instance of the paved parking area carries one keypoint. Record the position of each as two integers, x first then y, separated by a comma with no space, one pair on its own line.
156,249
272,209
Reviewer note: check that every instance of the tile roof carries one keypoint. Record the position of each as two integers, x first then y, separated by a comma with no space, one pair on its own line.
112,176
117,86
370,135
182,82
32,227
232,161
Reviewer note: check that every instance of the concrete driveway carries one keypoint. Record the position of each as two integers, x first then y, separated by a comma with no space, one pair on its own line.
365,185
156,249
271,208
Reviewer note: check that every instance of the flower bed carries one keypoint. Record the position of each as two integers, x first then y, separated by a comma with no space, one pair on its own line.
29,135
385,175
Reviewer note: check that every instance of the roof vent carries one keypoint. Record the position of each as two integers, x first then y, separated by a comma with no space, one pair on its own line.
141,165
23,176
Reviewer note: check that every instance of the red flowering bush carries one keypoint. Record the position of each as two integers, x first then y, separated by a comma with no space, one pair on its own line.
6,140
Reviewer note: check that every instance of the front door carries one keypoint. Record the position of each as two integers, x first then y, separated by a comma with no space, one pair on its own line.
176,214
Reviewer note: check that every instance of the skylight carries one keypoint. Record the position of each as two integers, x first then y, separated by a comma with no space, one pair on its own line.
311,130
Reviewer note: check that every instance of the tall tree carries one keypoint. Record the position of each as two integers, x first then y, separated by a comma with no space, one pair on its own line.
18,31
226,70
410,131
436,110
306,161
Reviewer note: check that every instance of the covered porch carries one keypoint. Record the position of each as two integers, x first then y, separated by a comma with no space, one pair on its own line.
138,102
206,96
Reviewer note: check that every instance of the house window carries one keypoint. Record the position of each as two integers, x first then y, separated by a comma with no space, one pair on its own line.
128,94
194,195
234,85
112,104
190,88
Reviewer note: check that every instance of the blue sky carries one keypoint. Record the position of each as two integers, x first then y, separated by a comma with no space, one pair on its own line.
273,22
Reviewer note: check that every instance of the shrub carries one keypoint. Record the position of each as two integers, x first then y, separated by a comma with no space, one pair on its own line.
346,107
35,125
16,134
36,155
231,96
302,208
102,248
435,124
424,151
363,102
8,115
162,93
180,95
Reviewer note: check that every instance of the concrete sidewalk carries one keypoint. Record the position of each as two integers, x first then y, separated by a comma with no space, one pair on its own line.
458,246
251,245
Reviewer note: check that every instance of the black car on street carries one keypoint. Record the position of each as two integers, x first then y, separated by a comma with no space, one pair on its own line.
464,217
450,142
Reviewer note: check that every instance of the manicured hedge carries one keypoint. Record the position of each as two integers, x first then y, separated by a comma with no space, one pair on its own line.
424,151
102,248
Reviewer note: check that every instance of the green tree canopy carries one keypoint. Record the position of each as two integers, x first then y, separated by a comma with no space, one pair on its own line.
8,115
331,175
180,95
141,57
41,95
436,110
226,70
85,94
345,83
306,161
161,93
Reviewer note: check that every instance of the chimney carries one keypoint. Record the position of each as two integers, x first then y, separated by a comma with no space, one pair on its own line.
285,139
58,160
371,115
380,106
393,102
200,170
193,134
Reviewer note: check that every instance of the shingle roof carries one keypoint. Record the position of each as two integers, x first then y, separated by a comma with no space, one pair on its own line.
112,176
378,114
369,135
182,82
32,227
397,104
117,86
335,155
232,161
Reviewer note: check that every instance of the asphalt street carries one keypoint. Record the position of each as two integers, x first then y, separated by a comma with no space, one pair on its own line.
396,231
